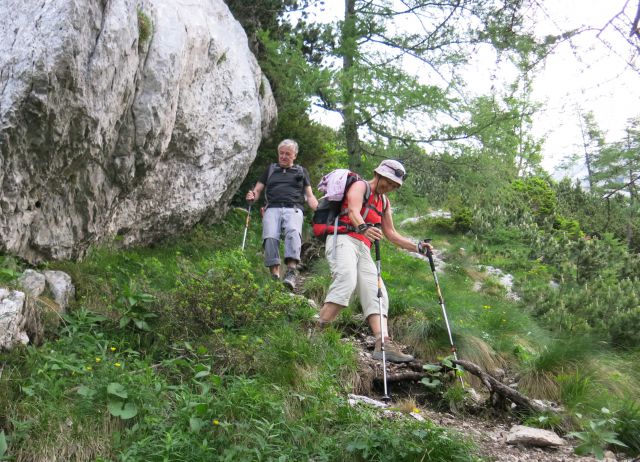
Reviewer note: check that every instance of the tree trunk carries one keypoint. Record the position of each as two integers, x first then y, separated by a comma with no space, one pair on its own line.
587,155
349,50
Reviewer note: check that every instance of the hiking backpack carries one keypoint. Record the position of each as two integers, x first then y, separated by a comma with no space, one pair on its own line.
326,218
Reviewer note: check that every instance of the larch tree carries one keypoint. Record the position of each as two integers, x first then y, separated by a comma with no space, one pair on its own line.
392,67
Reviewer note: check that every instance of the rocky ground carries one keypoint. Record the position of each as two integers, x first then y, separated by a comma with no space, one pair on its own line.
479,422
486,427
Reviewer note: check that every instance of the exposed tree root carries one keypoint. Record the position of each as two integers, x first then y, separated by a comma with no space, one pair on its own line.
503,391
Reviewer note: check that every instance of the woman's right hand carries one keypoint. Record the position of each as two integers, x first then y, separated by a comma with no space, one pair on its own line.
373,234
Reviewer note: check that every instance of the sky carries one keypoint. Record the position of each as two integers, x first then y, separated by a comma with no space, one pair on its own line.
581,75
584,75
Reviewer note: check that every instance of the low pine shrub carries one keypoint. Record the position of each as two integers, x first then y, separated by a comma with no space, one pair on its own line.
628,425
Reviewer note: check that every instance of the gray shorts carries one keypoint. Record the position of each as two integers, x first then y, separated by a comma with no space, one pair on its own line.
286,221
353,270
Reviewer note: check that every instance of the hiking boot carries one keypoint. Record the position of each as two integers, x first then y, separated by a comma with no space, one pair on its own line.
290,279
392,352
275,277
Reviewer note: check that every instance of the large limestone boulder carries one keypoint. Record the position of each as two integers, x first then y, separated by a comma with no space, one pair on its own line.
103,134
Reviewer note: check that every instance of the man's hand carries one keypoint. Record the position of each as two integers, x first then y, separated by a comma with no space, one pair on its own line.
424,247
251,196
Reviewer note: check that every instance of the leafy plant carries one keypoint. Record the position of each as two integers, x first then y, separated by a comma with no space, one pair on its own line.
598,434
133,308
438,372
551,421
117,404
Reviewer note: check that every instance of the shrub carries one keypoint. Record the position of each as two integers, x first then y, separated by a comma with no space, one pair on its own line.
462,219
538,197
628,425
226,296
145,28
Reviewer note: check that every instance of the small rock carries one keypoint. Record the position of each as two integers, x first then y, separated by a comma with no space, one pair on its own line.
11,319
474,395
520,434
61,287
32,282
355,399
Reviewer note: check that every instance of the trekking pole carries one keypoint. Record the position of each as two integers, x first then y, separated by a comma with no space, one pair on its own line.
441,301
246,226
386,397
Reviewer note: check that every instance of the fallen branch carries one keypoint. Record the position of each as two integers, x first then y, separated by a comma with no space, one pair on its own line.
407,376
495,386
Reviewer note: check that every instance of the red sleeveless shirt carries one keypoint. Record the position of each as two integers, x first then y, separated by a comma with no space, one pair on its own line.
376,205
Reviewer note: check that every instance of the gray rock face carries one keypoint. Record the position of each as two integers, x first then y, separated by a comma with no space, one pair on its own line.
11,320
102,135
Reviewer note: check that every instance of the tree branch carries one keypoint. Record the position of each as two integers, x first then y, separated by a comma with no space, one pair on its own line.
495,386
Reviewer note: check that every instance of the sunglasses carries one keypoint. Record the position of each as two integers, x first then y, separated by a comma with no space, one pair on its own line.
399,173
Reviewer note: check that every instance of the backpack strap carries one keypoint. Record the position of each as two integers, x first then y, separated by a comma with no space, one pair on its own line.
272,168
367,195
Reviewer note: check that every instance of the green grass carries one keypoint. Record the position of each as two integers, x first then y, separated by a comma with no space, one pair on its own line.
221,369
210,359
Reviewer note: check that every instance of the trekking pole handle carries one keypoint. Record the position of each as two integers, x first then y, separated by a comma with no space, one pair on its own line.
249,211
376,243
430,255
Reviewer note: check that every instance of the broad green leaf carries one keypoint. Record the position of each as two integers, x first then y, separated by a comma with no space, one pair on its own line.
3,444
430,383
598,452
117,390
196,423
201,374
142,325
201,408
27,391
129,411
432,367
86,391
123,410
614,440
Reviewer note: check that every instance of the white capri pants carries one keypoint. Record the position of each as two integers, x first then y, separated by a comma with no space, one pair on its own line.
353,269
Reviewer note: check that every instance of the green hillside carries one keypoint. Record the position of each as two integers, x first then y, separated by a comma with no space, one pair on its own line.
188,351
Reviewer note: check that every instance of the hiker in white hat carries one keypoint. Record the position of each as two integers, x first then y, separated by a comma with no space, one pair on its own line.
352,267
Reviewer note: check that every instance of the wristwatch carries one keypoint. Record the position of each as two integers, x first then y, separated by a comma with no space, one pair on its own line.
363,227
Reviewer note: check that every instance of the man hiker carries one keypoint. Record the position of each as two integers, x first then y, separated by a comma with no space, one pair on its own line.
288,187
350,261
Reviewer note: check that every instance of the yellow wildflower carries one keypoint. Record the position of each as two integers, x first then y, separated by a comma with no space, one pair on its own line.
113,348
216,422
98,359
117,364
